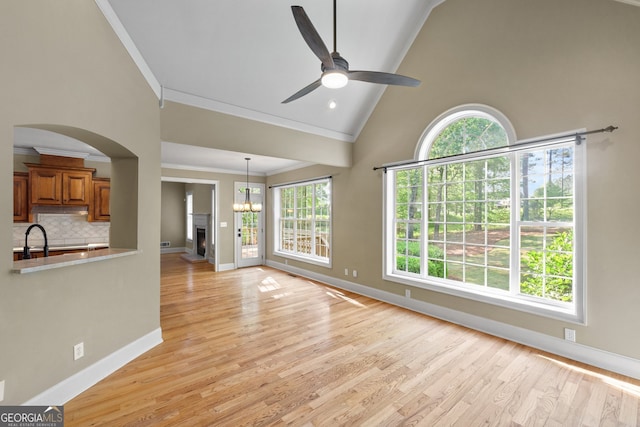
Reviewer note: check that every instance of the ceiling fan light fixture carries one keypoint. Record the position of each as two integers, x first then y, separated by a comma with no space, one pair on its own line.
334,79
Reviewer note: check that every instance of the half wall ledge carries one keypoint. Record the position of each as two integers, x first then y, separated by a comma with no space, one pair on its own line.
66,260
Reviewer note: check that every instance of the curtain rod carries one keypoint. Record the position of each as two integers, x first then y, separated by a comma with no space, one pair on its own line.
527,143
299,182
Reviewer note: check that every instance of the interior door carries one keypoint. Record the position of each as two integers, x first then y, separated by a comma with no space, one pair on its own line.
249,228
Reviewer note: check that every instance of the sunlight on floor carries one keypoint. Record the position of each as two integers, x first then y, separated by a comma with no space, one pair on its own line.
339,295
269,284
619,384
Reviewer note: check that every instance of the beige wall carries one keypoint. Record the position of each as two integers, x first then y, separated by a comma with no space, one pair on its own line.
185,124
550,66
63,69
173,214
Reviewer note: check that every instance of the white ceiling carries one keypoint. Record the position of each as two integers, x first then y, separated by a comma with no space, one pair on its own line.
245,57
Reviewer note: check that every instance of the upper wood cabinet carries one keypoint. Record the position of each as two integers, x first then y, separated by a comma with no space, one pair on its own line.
99,207
20,197
59,186
60,181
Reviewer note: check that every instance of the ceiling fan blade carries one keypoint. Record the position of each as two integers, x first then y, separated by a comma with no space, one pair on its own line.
302,92
311,36
383,78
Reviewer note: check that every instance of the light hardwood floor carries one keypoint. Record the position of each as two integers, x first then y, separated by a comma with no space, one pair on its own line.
258,346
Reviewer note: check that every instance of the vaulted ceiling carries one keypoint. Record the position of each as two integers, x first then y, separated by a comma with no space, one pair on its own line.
245,57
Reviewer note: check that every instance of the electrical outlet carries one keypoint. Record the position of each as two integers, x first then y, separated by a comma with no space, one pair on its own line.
407,293
1,390
346,271
355,273
78,351
570,334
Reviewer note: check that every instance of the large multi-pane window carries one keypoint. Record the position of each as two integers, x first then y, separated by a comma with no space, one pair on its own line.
484,217
303,221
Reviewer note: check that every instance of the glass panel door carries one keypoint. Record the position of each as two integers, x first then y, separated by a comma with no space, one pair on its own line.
249,229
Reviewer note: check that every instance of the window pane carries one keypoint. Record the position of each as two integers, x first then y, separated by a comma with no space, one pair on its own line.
560,209
498,189
453,234
498,257
436,231
454,191
474,254
499,167
546,263
436,174
474,275
454,211
498,279
467,135
454,252
475,212
475,169
454,271
454,173
474,190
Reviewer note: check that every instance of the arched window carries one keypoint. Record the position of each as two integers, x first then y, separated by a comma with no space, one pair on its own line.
480,215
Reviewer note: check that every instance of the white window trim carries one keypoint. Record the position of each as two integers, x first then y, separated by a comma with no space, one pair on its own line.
533,305
323,262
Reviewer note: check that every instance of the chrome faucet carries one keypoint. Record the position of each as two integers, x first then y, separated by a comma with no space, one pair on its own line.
26,254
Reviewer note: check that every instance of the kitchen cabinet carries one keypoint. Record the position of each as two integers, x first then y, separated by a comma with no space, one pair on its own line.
20,197
59,186
99,207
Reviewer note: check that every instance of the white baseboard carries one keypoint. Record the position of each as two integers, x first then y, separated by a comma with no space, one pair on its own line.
172,250
70,387
226,267
592,356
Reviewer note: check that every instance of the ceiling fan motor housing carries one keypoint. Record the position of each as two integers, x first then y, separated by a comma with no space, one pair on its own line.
339,62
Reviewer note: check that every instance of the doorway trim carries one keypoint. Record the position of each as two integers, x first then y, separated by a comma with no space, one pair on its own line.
237,226
215,224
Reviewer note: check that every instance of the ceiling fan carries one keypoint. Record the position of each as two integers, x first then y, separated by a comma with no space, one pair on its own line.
335,69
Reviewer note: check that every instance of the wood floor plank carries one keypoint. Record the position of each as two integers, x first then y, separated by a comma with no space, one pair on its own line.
260,347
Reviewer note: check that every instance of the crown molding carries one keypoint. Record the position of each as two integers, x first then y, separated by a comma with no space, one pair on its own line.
113,20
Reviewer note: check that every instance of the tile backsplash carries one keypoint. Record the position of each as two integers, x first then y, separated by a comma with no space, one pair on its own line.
62,230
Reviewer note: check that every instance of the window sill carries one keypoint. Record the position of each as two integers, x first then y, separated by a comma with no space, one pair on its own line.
58,261
502,300
309,260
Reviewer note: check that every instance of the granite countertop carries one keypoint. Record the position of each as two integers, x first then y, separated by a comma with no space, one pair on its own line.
48,263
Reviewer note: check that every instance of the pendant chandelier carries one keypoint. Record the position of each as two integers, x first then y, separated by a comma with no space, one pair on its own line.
247,206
